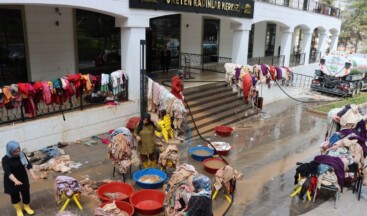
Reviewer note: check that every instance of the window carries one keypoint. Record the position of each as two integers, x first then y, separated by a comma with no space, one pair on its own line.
163,32
251,42
99,46
13,67
211,40
270,39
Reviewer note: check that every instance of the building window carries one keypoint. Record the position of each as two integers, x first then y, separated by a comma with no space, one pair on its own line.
211,40
270,39
99,46
251,42
163,32
13,66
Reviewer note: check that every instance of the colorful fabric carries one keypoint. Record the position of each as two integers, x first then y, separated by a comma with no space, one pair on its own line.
202,185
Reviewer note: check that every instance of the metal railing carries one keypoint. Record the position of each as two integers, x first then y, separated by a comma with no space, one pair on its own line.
300,80
18,113
216,63
314,57
269,60
310,5
297,59
211,63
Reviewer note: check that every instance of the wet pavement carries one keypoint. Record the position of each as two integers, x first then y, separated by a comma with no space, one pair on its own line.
265,148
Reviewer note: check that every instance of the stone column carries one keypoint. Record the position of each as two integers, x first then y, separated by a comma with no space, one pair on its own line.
286,45
240,44
334,41
131,35
306,45
321,43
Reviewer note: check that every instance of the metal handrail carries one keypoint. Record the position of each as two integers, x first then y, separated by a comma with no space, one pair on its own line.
269,60
296,59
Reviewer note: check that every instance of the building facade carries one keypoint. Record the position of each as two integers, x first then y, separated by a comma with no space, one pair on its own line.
46,39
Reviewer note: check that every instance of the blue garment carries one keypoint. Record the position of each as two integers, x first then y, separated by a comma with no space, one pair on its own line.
334,138
322,168
11,146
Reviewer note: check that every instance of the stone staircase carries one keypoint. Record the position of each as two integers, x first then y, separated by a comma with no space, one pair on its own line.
213,105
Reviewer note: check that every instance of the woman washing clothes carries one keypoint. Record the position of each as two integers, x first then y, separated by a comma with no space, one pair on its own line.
200,203
15,165
144,134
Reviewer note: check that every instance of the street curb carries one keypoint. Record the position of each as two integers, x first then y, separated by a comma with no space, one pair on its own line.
323,114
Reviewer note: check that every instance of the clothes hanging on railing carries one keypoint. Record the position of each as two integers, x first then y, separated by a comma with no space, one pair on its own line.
162,99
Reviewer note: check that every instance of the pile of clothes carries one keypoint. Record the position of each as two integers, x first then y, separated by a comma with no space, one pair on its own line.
60,163
225,178
169,154
179,189
66,186
342,152
120,152
109,209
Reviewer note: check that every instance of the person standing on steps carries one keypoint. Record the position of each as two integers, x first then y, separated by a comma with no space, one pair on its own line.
177,85
16,182
165,60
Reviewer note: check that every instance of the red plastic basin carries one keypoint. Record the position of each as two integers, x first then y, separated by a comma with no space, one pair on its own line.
133,121
123,206
148,201
211,169
125,190
223,130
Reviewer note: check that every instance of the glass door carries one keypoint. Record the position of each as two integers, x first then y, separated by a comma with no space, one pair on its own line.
211,40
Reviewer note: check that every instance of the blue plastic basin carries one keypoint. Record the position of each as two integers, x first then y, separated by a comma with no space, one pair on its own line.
150,171
199,157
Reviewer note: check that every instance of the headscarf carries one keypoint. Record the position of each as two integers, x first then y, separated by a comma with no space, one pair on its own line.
11,146
141,124
202,185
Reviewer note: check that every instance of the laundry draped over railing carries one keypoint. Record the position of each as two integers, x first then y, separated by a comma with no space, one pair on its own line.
160,99
28,100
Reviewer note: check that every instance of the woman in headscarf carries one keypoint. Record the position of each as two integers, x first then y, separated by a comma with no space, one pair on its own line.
15,165
144,134
200,203
177,85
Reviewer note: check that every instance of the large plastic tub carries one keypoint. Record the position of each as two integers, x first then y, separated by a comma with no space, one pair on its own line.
150,171
223,131
123,206
148,202
125,190
194,153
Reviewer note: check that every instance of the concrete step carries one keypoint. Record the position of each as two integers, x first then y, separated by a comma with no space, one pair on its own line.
215,104
209,128
215,108
202,88
206,118
215,90
210,98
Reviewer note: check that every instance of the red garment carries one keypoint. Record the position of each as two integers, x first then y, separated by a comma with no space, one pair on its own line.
39,93
22,88
273,73
177,88
246,83
29,106
76,80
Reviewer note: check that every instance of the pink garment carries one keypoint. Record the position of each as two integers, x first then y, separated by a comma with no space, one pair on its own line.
46,93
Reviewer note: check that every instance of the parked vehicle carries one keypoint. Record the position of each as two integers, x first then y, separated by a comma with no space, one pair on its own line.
343,75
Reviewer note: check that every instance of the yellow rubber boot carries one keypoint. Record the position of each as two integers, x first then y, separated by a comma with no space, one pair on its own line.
28,209
152,164
145,164
18,209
